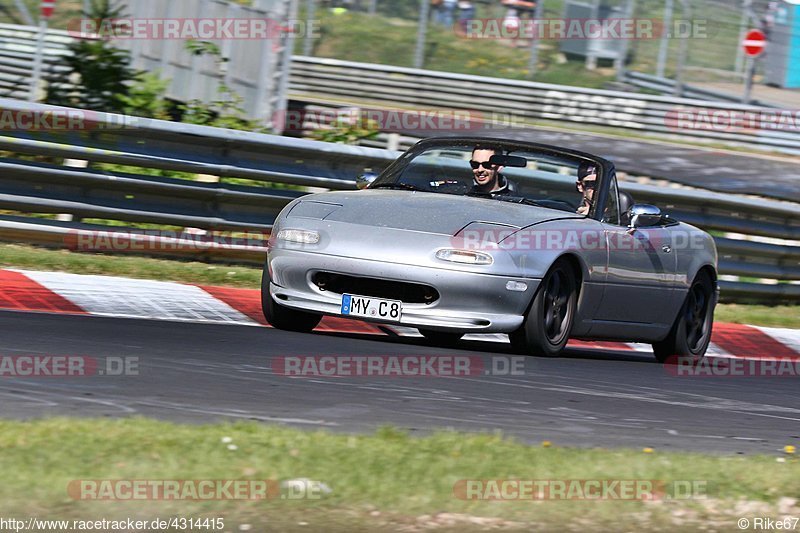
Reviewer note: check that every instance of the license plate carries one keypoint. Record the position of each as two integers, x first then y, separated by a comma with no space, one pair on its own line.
369,307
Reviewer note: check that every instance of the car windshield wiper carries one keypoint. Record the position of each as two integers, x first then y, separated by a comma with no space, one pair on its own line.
402,186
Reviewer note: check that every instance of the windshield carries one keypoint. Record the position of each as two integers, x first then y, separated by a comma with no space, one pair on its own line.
497,171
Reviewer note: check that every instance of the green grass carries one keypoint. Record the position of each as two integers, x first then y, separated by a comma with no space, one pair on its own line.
385,480
781,316
356,36
390,38
33,258
713,48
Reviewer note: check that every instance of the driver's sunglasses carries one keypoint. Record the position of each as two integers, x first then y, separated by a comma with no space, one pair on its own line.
589,184
488,165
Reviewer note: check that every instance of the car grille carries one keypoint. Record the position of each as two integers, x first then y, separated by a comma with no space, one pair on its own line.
379,288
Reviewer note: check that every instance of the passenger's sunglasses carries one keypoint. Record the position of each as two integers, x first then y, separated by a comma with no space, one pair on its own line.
488,165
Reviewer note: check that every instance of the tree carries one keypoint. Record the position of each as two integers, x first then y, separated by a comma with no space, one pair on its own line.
347,130
227,110
145,97
100,75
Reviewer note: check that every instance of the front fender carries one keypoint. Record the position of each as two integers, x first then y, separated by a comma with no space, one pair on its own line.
536,248
696,250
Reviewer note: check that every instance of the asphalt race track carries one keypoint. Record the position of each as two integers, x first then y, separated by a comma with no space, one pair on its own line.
205,372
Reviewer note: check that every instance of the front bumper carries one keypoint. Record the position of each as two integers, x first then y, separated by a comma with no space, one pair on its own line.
468,301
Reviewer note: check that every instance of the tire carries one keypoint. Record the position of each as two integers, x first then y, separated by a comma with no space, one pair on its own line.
282,317
549,320
442,338
691,331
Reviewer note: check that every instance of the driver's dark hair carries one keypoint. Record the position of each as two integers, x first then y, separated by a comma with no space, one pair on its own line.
496,149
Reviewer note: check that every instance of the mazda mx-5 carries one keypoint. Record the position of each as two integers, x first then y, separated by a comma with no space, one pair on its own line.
476,235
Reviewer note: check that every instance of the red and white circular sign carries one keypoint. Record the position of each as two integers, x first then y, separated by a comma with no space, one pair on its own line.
48,6
754,43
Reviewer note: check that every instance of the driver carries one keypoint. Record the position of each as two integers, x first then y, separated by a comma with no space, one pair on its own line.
487,178
586,185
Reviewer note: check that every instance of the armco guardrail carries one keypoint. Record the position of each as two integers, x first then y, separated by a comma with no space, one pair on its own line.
667,86
145,145
169,146
332,81
317,80
17,50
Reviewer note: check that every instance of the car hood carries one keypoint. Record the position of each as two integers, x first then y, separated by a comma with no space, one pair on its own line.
433,213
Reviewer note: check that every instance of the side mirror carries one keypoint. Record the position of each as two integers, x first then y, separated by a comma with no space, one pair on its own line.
365,180
645,215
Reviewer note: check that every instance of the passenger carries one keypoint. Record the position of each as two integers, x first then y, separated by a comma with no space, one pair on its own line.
586,185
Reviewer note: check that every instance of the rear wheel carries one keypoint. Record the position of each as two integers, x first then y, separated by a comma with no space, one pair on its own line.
549,320
444,338
691,332
283,317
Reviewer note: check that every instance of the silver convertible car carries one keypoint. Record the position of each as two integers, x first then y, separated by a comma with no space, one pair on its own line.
476,235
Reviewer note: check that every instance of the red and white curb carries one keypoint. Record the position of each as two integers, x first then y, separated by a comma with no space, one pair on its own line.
57,292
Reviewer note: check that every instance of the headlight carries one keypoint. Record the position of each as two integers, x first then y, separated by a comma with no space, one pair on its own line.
466,257
298,236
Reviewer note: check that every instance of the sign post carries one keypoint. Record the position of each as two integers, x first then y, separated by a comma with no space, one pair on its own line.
754,44
47,7
422,33
534,57
308,43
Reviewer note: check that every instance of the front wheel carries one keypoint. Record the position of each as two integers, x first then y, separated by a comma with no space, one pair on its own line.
549,320
282,317
691,332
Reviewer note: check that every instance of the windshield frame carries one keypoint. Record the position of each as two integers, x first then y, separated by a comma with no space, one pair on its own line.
606,168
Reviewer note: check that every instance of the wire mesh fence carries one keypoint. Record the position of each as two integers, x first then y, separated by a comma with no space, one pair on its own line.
701,47
698,41
715,57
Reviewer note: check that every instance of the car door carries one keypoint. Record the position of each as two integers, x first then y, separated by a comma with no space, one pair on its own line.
641,277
